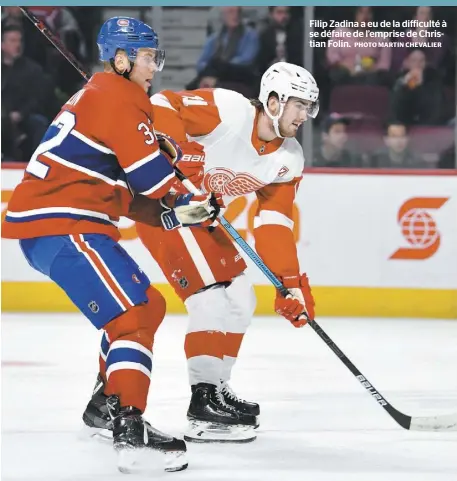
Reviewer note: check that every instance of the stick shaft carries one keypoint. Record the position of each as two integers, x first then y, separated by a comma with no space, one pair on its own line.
55,40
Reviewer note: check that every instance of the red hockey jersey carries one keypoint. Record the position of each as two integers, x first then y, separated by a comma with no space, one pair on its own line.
99,149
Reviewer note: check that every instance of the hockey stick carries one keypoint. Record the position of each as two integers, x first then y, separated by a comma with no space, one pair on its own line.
41,26
431,423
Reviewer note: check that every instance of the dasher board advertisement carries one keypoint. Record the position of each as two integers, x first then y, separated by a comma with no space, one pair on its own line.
371,244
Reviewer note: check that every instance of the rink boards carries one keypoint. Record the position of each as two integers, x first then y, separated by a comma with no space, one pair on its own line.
372,243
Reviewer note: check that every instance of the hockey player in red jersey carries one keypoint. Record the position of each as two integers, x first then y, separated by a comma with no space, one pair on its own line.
234,147
100,148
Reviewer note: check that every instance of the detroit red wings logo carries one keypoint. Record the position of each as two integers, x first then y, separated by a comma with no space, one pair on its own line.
227,182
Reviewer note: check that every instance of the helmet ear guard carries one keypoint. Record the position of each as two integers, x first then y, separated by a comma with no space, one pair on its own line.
275,118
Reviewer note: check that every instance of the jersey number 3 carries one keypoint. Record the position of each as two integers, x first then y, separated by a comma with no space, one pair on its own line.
65,123
147,132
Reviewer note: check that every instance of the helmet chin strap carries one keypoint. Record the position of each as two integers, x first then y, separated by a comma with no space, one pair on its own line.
125,74
275,118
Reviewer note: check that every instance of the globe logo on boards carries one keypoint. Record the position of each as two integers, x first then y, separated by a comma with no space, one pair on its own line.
419,228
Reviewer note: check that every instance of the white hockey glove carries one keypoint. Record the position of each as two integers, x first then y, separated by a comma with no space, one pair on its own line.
184,210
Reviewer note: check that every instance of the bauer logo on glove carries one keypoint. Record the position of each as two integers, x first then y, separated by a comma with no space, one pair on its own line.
192,165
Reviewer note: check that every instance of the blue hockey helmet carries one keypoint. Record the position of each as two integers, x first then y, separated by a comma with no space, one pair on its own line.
128,34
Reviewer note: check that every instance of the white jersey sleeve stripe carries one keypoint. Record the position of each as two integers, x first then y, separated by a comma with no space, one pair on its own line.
92,143
161,101
272,217
158,185
140,163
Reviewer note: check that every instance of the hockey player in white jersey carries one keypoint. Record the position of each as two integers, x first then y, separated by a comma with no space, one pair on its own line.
233,146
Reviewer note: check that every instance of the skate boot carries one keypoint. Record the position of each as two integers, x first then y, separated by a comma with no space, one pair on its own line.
133,435
96,416
239,404
212,420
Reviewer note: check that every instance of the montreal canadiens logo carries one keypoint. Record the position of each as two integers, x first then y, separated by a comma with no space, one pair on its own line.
123,22
225,181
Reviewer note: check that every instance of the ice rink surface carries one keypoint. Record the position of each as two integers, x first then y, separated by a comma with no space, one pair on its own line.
317,422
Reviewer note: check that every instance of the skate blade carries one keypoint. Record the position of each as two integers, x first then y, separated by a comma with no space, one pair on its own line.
175,461
258,423
206,432
131,460
127,459
97,434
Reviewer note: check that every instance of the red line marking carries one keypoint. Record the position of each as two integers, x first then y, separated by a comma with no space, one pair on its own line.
23,364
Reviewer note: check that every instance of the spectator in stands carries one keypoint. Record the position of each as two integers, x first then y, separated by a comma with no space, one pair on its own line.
251,16
22,95
332,152
418,96
447,158
228,56
359,64
62,22
36,47
281,40
436,55
396,154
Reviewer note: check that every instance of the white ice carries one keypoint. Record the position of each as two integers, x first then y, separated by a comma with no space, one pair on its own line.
317,422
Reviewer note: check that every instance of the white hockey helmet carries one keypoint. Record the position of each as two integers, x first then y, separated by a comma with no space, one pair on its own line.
288,80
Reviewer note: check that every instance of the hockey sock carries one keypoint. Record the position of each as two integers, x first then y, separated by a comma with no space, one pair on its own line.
129,357
205,338
204,352
232,346
104,348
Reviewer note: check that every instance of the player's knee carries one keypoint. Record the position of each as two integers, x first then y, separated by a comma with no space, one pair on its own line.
131,326
156,306
139,323
125,325
208,310
242,296
251,302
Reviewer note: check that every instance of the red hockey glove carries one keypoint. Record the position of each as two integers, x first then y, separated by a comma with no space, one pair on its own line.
191,164
300,300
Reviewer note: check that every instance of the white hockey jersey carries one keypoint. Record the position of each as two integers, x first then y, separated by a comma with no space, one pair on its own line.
237,162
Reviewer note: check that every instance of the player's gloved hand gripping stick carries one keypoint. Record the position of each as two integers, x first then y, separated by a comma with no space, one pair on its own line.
182,210
425,423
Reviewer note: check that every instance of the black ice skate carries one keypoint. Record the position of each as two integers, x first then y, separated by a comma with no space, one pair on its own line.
239,404
96,416
132,434
212,420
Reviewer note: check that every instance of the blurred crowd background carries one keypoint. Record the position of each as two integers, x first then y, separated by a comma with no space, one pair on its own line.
380,107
